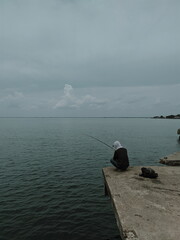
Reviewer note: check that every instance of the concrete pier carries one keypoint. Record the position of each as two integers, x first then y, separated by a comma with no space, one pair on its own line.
171,160
145,209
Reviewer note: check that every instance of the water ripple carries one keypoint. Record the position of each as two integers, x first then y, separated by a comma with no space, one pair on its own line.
51,185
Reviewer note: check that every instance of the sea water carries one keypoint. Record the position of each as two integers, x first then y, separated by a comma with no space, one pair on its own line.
51,183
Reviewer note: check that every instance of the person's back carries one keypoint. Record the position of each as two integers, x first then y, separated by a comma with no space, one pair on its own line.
120,159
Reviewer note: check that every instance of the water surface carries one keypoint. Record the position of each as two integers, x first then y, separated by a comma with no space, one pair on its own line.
51,184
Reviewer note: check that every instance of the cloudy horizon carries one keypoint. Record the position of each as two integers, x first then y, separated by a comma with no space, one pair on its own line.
89,58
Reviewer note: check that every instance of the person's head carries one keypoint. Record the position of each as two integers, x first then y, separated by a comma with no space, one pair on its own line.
117,145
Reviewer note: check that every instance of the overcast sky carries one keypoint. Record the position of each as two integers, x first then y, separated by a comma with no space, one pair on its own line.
112,58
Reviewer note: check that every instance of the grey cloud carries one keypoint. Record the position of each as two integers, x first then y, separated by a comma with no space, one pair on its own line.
73,35
88,44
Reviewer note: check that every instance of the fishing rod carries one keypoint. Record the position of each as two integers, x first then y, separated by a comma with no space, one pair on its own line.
100,141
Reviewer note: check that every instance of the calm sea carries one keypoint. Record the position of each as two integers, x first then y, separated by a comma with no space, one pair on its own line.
51,184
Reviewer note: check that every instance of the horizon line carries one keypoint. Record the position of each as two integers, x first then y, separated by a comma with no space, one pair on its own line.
65,117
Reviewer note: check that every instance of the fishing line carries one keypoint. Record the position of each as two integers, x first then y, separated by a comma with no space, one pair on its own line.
100,141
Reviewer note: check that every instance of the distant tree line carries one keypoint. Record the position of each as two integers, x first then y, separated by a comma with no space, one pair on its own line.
169,116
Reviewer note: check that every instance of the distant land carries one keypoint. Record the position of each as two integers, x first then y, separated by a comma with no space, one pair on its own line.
169,116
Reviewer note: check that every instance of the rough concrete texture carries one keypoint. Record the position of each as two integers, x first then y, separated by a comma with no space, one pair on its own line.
145,209
171,160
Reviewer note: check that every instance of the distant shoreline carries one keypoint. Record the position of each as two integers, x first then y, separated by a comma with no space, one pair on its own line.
168,117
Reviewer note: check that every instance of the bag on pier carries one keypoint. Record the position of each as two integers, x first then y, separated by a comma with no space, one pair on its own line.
148,173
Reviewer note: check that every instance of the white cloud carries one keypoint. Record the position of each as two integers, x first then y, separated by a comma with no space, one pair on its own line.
94,102
71,100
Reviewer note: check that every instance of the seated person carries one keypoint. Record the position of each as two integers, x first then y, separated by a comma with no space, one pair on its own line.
120,159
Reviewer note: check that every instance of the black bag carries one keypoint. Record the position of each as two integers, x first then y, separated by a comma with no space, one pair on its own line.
148,173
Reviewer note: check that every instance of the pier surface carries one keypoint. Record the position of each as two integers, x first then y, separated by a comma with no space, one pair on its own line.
145,209
171,160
